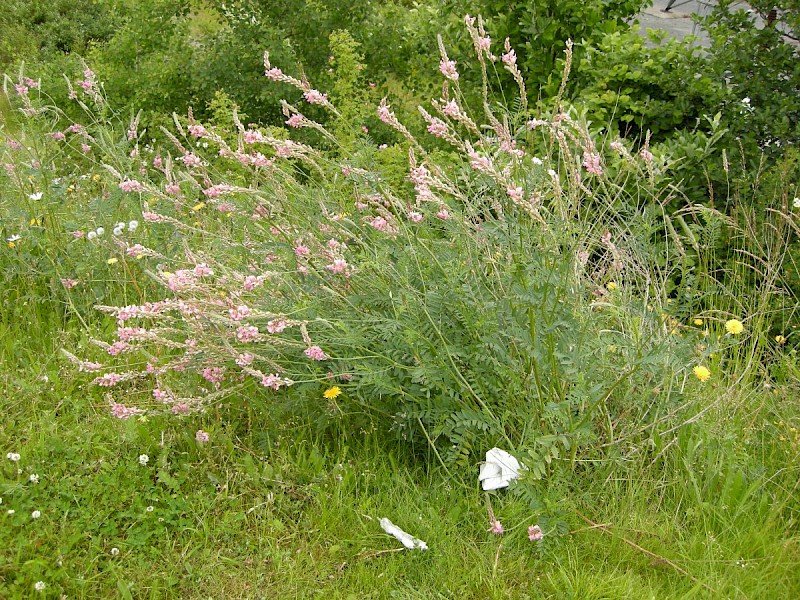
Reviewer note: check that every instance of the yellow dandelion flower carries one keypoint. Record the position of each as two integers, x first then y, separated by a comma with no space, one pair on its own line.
95,177
111,261
734,327
698,322
199,206
702,373
11,244
611,286
780,339
332,392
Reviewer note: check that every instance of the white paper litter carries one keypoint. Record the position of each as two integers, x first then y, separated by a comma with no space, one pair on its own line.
409,541
498,469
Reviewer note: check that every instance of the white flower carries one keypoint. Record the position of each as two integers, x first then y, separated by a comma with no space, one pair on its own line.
150,508
796,202
36,514
34,478
13,456
133,225
117,232
91,235
144,459
36,196
39,586
13,238
121,225
10,511
114,551
100,231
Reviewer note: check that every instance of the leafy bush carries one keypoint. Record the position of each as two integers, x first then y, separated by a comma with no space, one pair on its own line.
514,289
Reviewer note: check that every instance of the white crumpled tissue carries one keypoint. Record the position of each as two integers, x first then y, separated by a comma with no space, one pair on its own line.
408,540
498,469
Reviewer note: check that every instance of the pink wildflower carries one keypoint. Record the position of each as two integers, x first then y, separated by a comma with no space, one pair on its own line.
379,223
535,533
160,395
152,217
75,128
253,136
515,193
274,73
315,353
451,109
277,325
247,333
448,69
339,265
202,437
202,270
239,313
245,359
214,374
495,526
509,58
274,381
108,380
437,127
478,162
58,136
485,44
384,112
180,408
123,412
69,283
117,348
295,121
301,250
315,97
251,282
191,160
647,156
197,130
591,162
21,89
172,189
130,185
415,217
443,214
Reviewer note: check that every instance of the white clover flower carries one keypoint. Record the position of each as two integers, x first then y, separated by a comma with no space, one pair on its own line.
133,225
39,586
36,196
114,551
34,478
150,508
144,459
91,235
36,514
796,202
13,456
100,231
117,232
121,225
10,511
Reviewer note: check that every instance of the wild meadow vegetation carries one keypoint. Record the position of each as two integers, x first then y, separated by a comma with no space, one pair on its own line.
275,271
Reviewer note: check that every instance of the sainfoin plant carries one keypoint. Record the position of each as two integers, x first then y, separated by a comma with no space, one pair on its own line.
503,294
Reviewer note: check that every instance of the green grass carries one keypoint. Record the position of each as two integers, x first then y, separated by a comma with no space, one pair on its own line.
274,506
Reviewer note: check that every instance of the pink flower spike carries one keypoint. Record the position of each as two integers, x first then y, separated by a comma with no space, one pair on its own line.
295,121
130,185
315,353
495,527
535,533
448,69
315,97
202,437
